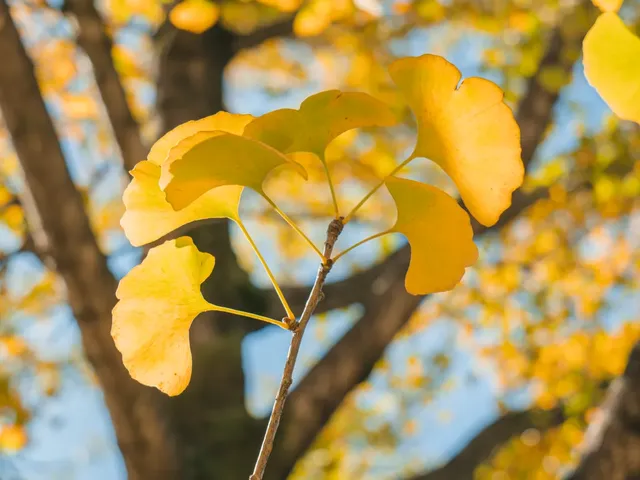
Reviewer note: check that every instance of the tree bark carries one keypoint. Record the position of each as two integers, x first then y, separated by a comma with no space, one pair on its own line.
219,439
94,40
67,239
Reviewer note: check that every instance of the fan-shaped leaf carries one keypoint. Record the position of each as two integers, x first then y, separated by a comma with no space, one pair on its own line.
149,216
158,301
612,65
223,121
321,118
218,159
439,232
469,131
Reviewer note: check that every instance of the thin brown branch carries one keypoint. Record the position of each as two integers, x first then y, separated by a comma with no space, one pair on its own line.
337,294
95,41
63,231
333,232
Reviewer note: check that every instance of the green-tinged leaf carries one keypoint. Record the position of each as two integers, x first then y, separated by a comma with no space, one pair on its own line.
217,159
321,118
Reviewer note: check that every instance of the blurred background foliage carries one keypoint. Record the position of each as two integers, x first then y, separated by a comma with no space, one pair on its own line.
541,325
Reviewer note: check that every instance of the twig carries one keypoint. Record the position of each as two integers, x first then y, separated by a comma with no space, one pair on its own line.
334,230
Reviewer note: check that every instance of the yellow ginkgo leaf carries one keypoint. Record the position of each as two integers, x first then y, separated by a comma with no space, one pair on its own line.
608,5
612,65
468,130
158,301
218,159
275,128
149,216
194,16
439,232
223,121
321,118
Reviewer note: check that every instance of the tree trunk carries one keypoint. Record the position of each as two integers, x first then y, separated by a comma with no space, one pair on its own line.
63,235
218,437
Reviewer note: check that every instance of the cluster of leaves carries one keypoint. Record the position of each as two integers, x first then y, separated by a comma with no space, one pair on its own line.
572,374
565,369
543,457
199,169
315,17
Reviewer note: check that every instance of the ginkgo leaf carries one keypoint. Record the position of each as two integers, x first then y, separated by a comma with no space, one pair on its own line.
217,159
275,128
149,216
158,301
223,121
439,232
612,65
468,130
321,118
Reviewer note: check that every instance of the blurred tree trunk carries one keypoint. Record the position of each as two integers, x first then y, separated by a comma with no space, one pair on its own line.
219,438
63,237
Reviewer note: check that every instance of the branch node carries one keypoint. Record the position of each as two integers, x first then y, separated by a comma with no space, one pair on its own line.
327,265
291,323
